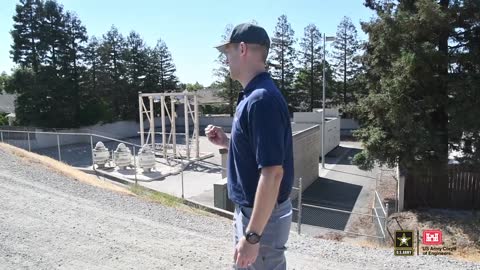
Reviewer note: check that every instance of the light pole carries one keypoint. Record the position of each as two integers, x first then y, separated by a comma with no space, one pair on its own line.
325,39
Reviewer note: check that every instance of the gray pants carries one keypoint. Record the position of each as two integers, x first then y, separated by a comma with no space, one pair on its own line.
275,235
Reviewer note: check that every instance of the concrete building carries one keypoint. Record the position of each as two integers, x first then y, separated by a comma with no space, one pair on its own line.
332,125
7,106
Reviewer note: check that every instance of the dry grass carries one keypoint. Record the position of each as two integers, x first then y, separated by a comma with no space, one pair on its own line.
335,236
63,169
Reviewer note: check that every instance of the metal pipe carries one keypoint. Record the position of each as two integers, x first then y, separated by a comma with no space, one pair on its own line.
187,130
1,135
152,124
323,105
386,219
197,127
140,106
164,136
173,128
135,165
299,220
29,145
183,195
58,144
335,210
74,134
181,94
91,151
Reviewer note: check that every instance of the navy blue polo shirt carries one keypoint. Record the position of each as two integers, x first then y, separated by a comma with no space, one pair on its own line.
261,137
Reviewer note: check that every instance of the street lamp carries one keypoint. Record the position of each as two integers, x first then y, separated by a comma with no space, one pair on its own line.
325,39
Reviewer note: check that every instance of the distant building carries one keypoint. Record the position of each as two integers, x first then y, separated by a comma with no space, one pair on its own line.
7,105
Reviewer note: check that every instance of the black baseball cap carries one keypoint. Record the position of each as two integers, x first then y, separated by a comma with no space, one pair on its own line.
248,33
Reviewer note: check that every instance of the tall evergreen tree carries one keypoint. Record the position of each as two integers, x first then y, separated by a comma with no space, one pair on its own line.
346,59
309,78
282,58
92,62
53,34
28,51
52,50
94,105
64,81
422,62
166,68
136,59
464,78
114,85
27,48
75,48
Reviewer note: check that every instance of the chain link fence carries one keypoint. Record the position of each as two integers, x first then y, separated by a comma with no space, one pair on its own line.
312,216
74,149
332,220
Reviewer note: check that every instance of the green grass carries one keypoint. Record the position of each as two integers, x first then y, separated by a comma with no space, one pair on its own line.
162,198
168,200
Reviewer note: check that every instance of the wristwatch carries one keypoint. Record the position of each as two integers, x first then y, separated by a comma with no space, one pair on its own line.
252,238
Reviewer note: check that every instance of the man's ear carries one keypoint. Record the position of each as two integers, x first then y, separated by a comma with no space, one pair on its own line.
243,48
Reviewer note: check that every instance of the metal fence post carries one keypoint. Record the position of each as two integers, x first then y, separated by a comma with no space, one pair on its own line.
135,164
29,145
183,194
299,219
1,135
91,151
386,219
58,145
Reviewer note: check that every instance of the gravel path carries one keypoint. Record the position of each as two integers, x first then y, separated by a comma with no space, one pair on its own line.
48,221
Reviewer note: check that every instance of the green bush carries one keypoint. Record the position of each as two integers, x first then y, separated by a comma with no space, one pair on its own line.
3,119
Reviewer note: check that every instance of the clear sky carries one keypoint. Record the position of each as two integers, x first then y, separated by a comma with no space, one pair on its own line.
191,28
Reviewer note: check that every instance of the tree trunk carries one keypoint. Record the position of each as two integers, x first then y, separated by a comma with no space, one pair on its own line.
440,119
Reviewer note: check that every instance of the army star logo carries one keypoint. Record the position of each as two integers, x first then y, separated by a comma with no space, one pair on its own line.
403,243
403,240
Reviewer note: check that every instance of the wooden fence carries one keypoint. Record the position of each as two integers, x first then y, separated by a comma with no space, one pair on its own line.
422,188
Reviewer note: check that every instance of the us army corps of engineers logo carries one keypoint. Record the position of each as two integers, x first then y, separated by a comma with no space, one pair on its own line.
403,243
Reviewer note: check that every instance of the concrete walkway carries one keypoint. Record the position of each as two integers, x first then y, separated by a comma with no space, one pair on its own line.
343,188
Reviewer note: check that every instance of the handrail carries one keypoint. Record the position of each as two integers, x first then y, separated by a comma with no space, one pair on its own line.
69,134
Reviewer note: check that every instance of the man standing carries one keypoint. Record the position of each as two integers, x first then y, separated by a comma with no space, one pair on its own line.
260,156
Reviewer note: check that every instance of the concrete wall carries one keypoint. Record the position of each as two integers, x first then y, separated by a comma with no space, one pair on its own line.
117,130
332,134
49,140
332,127
306,151
307,117
328,112
123,129
223,121
346,126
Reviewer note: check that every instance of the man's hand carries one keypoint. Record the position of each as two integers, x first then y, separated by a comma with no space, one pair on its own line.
245,253
217,136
